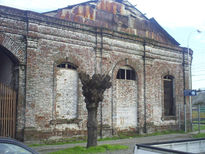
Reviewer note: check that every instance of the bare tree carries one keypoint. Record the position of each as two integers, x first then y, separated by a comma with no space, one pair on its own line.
93,89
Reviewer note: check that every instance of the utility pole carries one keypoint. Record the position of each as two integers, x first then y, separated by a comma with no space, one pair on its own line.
189,74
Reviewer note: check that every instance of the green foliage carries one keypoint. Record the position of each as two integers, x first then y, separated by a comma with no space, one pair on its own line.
115,147
195,127
195,114
97,149
199,135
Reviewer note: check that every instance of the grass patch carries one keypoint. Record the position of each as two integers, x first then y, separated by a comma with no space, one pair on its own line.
195,127
123,135
167,132
97,149
134,135
72,140
199,135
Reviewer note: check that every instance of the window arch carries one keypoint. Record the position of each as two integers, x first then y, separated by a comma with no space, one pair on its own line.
126,73
169,104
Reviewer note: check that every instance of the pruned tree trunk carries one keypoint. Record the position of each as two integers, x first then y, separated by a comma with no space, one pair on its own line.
93,90
92,127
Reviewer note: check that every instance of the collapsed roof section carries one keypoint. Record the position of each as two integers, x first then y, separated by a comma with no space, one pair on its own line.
117,15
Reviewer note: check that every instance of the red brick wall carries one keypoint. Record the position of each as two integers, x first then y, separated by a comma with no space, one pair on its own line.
45,42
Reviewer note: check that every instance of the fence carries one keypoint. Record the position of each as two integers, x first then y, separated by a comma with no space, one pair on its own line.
7,111
198,115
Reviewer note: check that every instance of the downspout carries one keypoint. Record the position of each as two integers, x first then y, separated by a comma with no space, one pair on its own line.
101,50
184,83
144,72
96,46
112,107
26,61
96,68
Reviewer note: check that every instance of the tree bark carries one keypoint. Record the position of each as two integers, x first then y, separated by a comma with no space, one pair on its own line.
92,127
93,90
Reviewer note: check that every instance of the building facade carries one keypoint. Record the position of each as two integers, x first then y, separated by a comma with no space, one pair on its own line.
41,55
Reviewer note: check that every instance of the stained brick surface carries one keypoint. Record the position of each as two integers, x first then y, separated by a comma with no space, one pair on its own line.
40,43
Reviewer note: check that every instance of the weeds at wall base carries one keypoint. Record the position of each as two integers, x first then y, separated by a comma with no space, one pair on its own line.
117,137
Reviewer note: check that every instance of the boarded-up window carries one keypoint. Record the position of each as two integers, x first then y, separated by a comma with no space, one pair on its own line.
126,98
67,86
169,106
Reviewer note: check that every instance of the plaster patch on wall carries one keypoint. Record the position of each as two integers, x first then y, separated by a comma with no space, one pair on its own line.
126,104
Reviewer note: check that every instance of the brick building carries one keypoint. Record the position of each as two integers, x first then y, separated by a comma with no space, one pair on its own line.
42,53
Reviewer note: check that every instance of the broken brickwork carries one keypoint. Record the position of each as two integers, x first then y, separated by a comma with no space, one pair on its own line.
95,37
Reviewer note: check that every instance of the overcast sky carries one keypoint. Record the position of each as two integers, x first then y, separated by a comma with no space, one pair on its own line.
180,18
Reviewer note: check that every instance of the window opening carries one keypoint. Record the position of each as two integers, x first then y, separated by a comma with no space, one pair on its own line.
121,74
67,66
126,73
169,107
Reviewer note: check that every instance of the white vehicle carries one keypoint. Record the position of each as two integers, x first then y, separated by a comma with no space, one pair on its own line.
175,147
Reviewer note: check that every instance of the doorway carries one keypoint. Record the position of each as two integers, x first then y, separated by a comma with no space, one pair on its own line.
8,95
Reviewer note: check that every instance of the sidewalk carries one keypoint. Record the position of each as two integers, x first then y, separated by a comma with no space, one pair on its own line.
129,142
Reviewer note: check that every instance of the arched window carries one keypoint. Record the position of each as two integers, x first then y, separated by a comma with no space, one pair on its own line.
67,65
126,73
169,105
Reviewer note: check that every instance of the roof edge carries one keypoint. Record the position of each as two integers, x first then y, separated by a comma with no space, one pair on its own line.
71,6
164,31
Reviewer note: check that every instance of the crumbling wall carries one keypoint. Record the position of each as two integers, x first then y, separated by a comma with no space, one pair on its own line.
12,41
50,41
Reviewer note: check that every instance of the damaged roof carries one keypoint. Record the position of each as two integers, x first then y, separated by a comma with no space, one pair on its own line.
117,15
